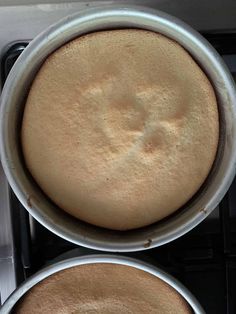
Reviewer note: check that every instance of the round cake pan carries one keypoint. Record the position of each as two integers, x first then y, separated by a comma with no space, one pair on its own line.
92,259
12,106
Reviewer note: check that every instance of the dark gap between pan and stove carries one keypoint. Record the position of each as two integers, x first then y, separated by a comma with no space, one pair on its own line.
204,259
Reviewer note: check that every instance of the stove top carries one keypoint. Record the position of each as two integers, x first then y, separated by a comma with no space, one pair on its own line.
204,259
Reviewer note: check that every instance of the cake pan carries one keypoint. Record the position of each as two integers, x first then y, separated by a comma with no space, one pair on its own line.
12,106
92,259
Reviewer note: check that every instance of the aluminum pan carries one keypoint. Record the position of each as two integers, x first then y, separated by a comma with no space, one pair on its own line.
91,259
12,106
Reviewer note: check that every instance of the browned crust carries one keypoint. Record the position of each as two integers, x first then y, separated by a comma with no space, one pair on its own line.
102,289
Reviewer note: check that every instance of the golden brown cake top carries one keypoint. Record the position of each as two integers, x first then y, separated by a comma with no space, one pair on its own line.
120,128
102,289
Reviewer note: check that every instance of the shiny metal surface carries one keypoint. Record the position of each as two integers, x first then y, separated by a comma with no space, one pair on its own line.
12,106
7,256
92,259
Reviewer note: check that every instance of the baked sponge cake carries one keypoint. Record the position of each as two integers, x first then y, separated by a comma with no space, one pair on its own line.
120,128
102,289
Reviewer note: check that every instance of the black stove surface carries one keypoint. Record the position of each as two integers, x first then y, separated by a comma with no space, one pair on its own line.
204,260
